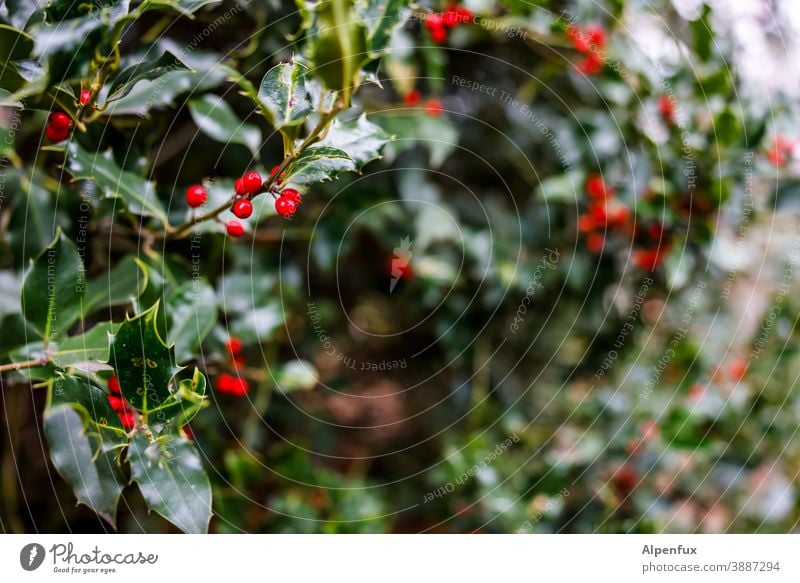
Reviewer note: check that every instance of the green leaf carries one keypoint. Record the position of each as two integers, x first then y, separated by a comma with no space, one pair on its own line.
119,287
192,313
14,45
360,139
33,219
91,403
52,295
20,11
318,164
138,194
216,119
284,95
92,473
185,7
382,18
562,187
703,33
87,347
339,46
162,92
124,81
143,364
67,47
184,404
171,478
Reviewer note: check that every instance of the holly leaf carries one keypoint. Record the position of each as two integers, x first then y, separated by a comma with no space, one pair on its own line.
185,7
138,194
360,139
339,46
91,472
119,287
92,404
382,17
52,293
87,347
150,69
217,120
143,363
183,404
318,164
284,95
192,312
14,45
172,480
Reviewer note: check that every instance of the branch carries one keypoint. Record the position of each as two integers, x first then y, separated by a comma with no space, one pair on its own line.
317,133
23,364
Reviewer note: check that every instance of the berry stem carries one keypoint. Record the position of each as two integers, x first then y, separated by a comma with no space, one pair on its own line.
316,134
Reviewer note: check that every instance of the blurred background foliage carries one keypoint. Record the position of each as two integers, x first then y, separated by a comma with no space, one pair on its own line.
640,371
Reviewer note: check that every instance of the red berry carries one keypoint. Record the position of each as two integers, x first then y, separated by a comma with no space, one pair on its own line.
738,369
285,206
59,120
578,38
235,229
273,171
232,385
586,223
596,36
595,242
648,259
667,108
619,215
625,480
438,35
596,187
117,403
433,107
234,345
113,385
413,97
86,96
292,195
55,134
128,420
196,195
590,65
599,213
239,187
451,17
242,208
252,182
649,429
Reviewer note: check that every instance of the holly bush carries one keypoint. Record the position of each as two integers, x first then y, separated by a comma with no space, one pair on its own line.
381,266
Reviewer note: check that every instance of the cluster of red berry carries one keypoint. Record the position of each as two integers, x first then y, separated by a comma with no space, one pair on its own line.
433,107
781,150
59,125
590,41
438,23
603,213
119,404
228,383
246,188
